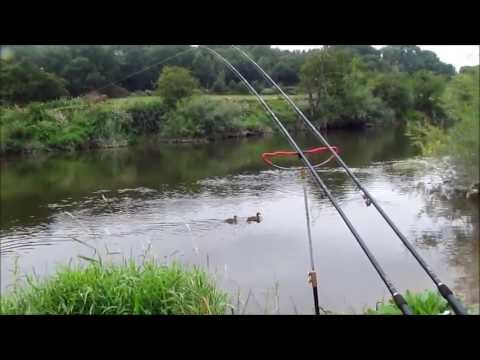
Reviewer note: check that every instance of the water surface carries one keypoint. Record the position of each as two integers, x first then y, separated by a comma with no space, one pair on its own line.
170,201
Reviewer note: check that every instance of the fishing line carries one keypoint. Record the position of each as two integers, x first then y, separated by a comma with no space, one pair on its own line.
147,68
444,290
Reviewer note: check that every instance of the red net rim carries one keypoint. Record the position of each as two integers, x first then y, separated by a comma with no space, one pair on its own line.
266,156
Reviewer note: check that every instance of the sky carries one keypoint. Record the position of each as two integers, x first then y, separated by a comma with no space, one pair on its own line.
457,55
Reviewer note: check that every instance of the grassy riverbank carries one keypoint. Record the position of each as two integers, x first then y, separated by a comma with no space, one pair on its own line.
149,289
79,124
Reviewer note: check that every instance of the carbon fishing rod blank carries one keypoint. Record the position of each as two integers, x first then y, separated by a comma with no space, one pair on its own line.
444,290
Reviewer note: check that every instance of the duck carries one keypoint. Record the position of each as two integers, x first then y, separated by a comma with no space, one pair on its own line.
254,218
368,201
232,221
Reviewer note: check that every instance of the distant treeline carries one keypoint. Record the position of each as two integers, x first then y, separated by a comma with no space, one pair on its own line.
44,72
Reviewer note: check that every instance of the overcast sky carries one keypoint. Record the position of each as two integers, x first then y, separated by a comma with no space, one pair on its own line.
457,55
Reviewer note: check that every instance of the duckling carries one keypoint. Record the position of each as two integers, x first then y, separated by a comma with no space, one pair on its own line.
232,221
254,218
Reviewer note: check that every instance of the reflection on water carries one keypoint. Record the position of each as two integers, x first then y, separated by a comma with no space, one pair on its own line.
172,200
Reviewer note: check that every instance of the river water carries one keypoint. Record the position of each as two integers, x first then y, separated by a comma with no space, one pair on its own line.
170,202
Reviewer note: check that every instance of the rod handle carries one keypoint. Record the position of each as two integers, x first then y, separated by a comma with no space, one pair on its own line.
315,300
402,304
312,279
456,305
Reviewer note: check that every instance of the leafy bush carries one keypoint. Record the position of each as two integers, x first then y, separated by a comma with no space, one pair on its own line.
39,127
147,117
148,289
203,117
111,127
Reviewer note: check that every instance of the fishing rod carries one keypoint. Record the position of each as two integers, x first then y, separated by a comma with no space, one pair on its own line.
442,288
312,275
396,296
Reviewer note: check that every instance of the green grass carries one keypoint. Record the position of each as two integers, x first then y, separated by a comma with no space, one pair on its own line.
66,125
130,102
100,289
425,303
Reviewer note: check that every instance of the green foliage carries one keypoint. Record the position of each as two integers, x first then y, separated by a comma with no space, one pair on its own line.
395,91
239,88
461,96
23,82
411,59
427,91
174,84
285,73
201,117
323,77
338,91
425,303
75,124
128,289
460,142
39,128
87,68
147,117
111,128
428,138
220,86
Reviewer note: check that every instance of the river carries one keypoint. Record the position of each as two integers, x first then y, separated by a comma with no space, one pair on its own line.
170,202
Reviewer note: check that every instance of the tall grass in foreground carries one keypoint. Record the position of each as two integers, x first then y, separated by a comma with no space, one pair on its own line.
107,289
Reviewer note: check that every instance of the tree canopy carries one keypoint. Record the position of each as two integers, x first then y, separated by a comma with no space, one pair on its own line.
24,82
85,68
175,83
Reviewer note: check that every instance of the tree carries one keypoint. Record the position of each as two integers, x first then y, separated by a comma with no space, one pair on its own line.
338,91
204,69
175,83
461,96
220,86
76,73
368,54
410,58
23,82
395,92
231,85
285,73
460,142
323,77
427,90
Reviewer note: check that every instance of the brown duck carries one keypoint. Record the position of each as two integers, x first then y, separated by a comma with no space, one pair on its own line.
254,218
232,221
